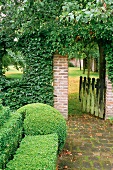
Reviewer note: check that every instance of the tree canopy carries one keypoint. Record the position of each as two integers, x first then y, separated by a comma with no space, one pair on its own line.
8,27
58,26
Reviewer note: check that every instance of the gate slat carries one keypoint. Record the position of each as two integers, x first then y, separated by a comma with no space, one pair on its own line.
84,94
93,97
80,89
97,98
101,99
89,95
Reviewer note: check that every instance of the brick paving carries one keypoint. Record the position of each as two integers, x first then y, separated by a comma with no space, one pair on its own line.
89,144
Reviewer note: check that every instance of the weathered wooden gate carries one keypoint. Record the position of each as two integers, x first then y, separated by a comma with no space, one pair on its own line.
92,96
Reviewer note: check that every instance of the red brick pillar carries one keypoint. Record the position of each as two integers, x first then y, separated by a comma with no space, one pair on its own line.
60,83
109,99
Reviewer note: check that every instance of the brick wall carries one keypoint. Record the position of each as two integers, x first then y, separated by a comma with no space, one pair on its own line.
109,99
60,75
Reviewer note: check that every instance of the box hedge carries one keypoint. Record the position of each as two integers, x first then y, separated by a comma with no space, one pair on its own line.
4,114
42,119
32,120
10,136
36,153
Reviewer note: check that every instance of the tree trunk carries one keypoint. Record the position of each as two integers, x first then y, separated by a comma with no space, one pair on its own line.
102,74
95,65
102,61
84,65
80,63
88,66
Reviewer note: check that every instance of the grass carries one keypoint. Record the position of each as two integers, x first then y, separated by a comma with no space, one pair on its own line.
76,72
13,73
14,76
74,106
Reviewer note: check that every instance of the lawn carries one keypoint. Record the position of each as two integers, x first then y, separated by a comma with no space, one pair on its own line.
76,72
13,73
74,106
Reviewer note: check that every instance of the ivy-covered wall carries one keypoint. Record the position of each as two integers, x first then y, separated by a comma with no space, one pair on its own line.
36,84
38,76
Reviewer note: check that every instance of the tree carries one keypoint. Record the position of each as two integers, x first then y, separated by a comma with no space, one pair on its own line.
38,39
93,21
87,52
8,26
64,23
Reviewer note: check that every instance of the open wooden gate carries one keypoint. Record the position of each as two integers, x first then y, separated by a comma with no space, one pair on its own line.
92,96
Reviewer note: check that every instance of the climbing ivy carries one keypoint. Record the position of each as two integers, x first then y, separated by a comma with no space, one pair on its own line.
36,84
43,27
109,59
38,38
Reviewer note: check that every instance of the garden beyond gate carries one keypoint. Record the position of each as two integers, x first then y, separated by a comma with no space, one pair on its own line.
92,96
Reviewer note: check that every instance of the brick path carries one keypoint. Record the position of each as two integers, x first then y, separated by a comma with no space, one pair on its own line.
89,144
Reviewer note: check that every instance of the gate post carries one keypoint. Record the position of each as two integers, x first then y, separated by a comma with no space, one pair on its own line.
109,99
60,84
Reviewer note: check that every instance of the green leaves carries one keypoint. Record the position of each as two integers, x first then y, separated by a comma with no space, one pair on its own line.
36,152
109,59
41,119
10,136
44,27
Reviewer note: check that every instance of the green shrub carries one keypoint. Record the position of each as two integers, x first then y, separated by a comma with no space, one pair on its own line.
36,153
10,136
42,119
4,114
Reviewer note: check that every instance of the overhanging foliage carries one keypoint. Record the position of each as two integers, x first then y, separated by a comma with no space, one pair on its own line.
44,27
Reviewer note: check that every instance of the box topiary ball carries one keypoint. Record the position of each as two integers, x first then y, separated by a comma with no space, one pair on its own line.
42,119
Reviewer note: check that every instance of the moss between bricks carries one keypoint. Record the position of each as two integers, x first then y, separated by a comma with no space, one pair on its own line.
36,153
